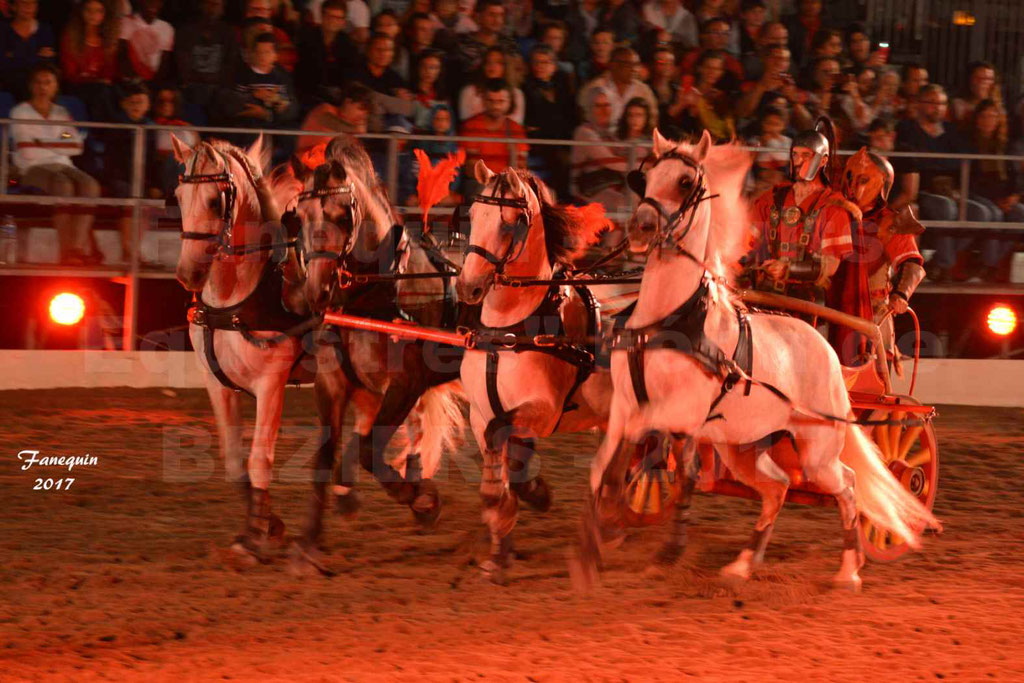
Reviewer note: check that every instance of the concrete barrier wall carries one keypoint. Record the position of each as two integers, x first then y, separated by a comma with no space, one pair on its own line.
949,381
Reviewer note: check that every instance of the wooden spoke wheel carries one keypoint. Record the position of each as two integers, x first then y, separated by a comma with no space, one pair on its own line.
911,453
652,485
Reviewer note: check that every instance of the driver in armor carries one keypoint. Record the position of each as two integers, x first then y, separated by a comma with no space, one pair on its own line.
894,265
807,239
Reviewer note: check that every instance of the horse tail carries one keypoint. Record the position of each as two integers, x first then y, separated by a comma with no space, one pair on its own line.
442,423
879,494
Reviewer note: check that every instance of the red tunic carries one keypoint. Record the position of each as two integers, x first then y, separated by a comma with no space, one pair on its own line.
884,251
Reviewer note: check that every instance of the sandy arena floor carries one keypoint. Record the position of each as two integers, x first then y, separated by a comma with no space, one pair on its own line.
121,577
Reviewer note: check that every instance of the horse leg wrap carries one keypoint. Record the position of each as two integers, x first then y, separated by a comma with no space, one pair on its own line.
413,468
492,487
498,431
758,543
851,538
534,491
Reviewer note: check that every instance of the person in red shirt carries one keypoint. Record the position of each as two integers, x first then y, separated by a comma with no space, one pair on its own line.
494,122
805,231
894,265
88,48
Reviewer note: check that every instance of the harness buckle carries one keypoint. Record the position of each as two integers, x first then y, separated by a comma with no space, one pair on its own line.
508,340
345,278
197,316
545,340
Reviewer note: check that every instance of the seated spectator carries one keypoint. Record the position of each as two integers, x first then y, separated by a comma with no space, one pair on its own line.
858,91
375,71
637,124
913,77
494,122
428,86
24,42
88,56
881,136
939,182
599,172
753,17
770,168
418,41
664,79
554,34
442,124
772,35
472,47
822,85
165,168
995,184
982,84
358,14
42,157
263,95
702,104
550,114
287,57
858,45
671,16
495,66
714,35
802,27
602,44
621,16
449,24
775,78
146,43
348,111
827,42
206,54
583,20
325,52
885,102
620,84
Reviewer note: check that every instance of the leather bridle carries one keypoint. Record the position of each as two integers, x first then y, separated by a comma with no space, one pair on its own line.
520,230
322,194
668,222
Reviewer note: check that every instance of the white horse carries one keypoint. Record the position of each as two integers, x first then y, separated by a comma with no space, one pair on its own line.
518,393
346,223
693,224
230,229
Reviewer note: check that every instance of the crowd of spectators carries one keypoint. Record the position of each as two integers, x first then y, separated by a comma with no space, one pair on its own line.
601,71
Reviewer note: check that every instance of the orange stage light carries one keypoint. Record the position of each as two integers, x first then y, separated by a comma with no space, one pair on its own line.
1002,320
67,308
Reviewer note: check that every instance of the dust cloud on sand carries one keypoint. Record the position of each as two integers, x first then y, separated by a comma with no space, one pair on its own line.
122,576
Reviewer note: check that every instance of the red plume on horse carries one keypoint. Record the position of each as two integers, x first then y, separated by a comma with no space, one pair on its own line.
434,181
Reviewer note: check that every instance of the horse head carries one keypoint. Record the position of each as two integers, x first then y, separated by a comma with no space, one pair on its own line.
501,217
328,212
219,202
671,190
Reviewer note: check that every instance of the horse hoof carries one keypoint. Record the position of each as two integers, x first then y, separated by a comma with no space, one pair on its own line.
853,584
426,506
275,534
307,560
347,505
734,572
244,553
494,572
536,493
668,555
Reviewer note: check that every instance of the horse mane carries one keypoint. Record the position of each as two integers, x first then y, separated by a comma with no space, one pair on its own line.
729,234
371,194
567,231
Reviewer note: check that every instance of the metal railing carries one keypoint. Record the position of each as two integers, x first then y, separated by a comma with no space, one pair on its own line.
131,275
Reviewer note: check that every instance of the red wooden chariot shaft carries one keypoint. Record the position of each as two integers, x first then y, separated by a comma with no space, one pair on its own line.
401,330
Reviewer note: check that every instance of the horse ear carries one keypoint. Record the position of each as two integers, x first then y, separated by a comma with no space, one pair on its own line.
182,151
660,144
516,184
704,146
481,172
259,153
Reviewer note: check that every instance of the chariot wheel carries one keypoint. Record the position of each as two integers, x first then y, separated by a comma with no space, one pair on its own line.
911,453
652,485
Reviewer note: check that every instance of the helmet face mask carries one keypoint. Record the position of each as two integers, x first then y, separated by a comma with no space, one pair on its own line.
867,180
807,170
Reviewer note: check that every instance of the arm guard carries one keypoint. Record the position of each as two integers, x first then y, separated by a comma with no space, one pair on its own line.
804,271
907,279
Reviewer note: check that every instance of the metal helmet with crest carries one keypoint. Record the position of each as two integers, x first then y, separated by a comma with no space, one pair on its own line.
867,179
822,142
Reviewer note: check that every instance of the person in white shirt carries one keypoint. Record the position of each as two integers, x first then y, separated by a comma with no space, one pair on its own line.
621,84
147,41
42,156
671,16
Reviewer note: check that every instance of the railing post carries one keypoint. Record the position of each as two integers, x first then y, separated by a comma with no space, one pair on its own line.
5,156
131,288
965,177
393,169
